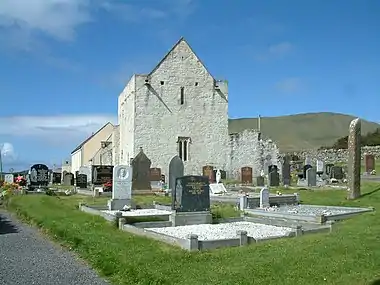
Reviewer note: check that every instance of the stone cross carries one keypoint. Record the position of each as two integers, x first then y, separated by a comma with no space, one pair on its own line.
354,159
218,176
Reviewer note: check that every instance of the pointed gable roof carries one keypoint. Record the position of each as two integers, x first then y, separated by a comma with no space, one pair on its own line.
182,39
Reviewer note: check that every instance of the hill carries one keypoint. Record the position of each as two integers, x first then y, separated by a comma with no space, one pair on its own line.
302,131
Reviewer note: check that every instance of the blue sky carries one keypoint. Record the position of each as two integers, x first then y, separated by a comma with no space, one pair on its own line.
63,63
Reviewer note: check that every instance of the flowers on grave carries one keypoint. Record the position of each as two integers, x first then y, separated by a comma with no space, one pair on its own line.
20,180
107,186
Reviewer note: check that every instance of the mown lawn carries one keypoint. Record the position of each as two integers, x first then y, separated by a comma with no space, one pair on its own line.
349,255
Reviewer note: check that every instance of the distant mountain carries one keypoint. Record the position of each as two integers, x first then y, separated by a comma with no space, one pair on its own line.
302,131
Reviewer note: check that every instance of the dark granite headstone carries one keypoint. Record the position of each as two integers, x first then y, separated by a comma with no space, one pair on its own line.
101,174
39,175
274,178
328,167
192,194
176,169
57,177
305,168
272,167
337,172
141,172
82,180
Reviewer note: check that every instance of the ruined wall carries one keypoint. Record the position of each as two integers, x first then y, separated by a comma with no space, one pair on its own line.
247,148
334,156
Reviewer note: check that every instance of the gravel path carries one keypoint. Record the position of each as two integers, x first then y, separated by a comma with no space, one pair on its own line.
27,258
140,213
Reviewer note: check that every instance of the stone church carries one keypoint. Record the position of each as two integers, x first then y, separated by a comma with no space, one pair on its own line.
179,108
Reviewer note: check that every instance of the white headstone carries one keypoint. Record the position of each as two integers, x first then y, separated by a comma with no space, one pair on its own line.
307,161
320,166
8,178
264,198
122,182
218,176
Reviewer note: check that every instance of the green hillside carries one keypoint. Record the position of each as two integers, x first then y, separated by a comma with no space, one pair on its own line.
302,131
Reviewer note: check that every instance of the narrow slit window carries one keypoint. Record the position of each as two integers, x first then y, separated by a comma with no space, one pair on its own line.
185,151
180,149
182,95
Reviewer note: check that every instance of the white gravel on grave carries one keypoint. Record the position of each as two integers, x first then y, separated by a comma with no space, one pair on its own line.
223,231
140,213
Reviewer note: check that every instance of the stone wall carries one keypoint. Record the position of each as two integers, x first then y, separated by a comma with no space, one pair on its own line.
335,156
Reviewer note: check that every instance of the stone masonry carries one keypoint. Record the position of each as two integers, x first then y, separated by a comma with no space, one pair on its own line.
354,159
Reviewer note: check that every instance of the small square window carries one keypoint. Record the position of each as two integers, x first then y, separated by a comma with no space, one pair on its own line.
196,83
162,82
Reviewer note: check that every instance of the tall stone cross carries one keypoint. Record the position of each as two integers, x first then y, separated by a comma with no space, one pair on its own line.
354,159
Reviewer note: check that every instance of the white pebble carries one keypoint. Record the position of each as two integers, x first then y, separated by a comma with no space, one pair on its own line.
223,231
140,213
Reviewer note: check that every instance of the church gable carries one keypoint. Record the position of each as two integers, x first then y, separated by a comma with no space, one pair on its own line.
181,59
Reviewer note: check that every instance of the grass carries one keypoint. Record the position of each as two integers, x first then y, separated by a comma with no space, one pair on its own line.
302,131
349,255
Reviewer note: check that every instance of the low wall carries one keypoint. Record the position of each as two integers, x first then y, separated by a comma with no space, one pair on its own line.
335,155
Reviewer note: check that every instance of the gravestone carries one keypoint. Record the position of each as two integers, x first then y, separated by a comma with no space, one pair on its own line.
86,170
208,171
8,178
272,168
68,179
274,178
155,174
369,163
320,167
101,174
141,170
260,181
176,169
82,180
121,187
246,175
311,177
39,176
328,167
305,168
336,172
354,159
192,194
264,198
286,173
57,178
223,174
307,161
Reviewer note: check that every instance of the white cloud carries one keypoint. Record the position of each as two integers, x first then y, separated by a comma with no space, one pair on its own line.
67,128
275,51
7,152
290,85
55,18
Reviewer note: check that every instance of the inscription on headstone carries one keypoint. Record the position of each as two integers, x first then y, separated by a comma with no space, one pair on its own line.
82,180
192,194
122,182
155,174
176,169
101,174
354,159
39,175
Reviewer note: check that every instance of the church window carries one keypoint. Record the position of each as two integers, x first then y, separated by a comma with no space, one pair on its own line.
182,95
183,148
196,83
162,82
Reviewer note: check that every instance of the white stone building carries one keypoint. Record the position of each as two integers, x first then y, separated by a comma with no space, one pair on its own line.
179,108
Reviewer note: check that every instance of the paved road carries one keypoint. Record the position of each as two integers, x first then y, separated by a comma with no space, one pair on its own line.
27,258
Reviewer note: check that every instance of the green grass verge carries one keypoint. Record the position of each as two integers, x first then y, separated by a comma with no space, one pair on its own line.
349,255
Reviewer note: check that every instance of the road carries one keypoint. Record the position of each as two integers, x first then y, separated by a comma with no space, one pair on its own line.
27,257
